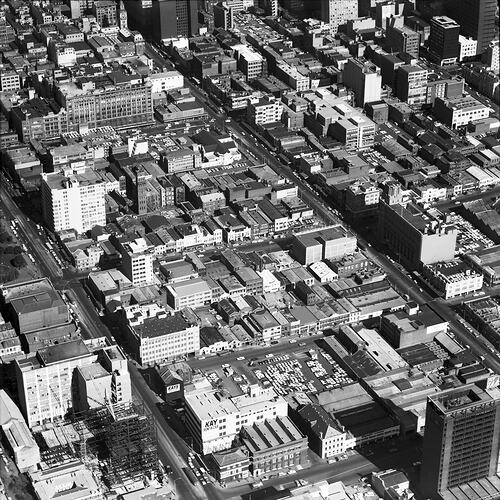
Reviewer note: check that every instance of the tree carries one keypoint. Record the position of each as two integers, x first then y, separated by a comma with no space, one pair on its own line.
18,261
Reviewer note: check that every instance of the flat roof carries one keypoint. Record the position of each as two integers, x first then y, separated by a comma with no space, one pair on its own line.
156,327
186,288
63,352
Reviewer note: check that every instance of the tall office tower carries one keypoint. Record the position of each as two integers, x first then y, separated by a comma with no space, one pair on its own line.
338,12
462,439
74,200
411,84
270,6
223,16
476,19
139,13
364,79
174,19
444,46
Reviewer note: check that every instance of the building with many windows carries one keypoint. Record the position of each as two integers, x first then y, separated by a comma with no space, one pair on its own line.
193,293
453,279
73,200
113,100
267,110
411,84
338,12
40,119
461,442
364,79
157,337
456,112
45,381
273,444
105,12
214,420
401,39
137,261
444,47
477,20
415,237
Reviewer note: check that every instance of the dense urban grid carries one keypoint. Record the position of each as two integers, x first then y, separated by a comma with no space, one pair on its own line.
249,249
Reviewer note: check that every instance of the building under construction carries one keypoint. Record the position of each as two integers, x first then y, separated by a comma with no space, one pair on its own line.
118,440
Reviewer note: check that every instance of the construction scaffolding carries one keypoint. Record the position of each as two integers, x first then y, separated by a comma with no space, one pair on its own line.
121,437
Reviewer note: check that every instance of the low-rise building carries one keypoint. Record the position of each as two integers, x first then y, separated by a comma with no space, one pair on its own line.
486,261
412,326
85,254
230,465
458,111
273,445
326,436
193,293
453,279
214,420
333,243
54,482
35,305
22,445
157,337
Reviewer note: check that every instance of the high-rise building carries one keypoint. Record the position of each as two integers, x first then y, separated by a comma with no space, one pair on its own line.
414,237
491,56
48,388
174,19
75,200
462,439
137,261
338,12
411,84
139,16
476,19
444,46
105,12
403,39
223,16
364,79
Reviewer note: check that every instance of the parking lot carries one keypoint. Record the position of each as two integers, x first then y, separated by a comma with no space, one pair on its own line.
311,372
469,238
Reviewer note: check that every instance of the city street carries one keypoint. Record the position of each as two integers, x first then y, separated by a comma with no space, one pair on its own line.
172,449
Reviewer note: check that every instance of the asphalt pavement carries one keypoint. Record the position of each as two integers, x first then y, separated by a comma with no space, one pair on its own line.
484,195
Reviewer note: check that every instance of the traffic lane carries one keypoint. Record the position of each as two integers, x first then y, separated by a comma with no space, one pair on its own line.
398,277
355,466
168,452
446,204
306,191
45,261
86,313
465,337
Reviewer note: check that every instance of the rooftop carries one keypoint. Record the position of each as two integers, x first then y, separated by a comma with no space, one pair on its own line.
156,327
63,352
